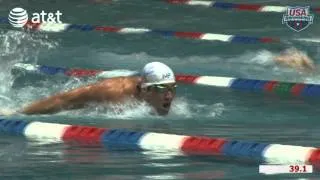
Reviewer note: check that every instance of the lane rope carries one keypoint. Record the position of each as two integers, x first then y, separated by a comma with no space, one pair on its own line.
64,27
120,139
237,6
249,85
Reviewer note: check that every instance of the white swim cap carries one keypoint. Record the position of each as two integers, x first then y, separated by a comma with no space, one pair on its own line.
157,73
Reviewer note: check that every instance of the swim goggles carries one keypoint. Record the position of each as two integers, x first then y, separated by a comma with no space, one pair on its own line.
161,88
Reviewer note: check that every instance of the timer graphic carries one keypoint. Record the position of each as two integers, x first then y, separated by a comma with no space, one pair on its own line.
285,169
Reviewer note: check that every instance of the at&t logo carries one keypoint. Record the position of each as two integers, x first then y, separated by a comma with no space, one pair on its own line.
18,17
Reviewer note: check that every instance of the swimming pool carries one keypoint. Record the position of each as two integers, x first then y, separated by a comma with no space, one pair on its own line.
198,110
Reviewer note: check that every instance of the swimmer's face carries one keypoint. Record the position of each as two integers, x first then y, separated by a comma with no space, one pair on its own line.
161,96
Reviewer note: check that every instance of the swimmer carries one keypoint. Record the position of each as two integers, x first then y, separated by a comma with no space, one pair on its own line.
156,86
295,59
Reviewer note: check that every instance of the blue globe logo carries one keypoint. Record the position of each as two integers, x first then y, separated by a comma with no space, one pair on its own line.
18,17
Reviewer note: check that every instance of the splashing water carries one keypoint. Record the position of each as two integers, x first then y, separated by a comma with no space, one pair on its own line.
17,47
263,57
181,108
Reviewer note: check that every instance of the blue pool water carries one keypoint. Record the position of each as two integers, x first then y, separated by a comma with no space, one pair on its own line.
197,110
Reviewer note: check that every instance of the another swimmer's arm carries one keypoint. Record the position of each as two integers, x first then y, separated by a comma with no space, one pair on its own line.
309,63
280,59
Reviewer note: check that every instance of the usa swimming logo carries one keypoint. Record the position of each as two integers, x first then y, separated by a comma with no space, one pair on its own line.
18,17
298,18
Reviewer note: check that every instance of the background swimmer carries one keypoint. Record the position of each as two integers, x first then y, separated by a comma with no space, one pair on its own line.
296,59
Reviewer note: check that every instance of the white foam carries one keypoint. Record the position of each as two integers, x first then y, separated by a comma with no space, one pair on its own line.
18,47
261,57
182,107
127,110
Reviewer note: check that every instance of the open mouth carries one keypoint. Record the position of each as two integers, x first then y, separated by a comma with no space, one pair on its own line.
166,105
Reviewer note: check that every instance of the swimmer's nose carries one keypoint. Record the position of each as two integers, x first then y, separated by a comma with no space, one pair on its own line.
168,95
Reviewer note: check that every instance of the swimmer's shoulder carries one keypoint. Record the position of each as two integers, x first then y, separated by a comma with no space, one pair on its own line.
120,81
119,84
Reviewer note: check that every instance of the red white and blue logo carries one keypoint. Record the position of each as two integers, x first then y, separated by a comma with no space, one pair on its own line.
298,18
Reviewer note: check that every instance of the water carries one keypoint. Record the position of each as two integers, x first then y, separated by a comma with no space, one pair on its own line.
198,110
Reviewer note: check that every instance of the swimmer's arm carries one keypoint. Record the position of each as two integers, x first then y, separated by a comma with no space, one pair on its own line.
55,103
280,59
309,63
73,99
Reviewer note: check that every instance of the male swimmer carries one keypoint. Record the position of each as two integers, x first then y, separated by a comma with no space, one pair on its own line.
156,86
295,59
